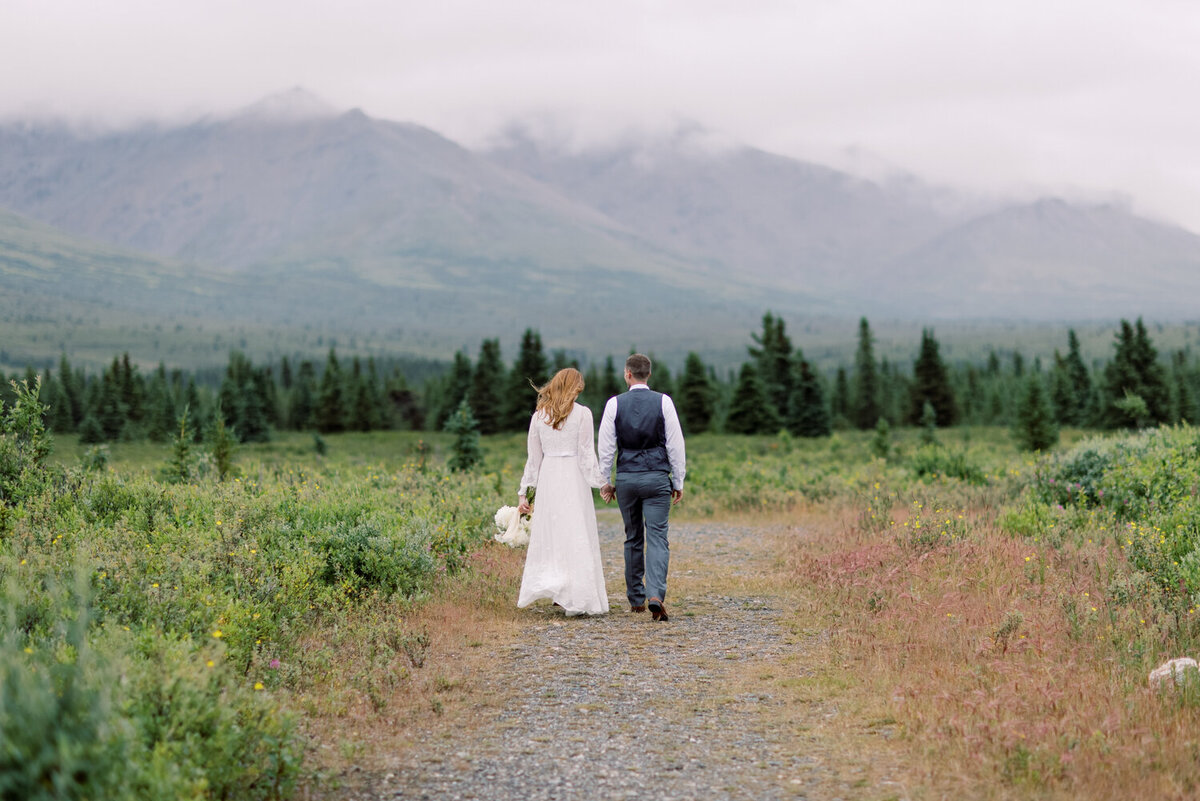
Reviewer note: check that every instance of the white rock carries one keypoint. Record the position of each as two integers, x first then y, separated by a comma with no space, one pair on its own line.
1174,671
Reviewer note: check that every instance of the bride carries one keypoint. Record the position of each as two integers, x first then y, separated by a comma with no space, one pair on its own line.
563,560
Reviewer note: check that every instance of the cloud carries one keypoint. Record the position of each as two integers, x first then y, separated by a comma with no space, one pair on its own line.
1093,95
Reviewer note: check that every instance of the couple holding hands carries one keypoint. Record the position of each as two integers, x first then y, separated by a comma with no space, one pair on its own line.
640,431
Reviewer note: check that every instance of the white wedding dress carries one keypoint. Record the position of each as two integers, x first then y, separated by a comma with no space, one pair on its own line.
563,560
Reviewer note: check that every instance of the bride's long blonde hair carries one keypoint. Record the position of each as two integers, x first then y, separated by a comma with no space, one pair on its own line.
557,396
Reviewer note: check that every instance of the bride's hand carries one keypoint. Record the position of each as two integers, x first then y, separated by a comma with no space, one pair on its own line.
523,507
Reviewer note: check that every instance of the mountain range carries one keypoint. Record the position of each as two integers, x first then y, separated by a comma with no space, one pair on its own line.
293,212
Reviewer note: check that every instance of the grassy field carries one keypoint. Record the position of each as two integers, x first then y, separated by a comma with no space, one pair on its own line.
999,611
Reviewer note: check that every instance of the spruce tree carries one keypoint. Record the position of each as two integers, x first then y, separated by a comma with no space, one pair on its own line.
285,375
881,443
750,411
1035,429
110,412
593,394
485,397
1183,403
931,385
57,416
1134,382
132,390
465,450
330,412
457,386
928,424
808,411
1063,399
221,446
1153,377
530,370
404,406
72,388
179,468
90,430
662,379
891,391
773,356
160,407
561,361
972,396
254,425
192,410
384,411
1080,379
695,401
866,409
303,401
840,402
364,414
611,383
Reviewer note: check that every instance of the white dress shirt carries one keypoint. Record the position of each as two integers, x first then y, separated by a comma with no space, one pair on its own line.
675,450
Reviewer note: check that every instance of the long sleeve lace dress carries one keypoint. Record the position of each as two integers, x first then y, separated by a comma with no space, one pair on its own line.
563,560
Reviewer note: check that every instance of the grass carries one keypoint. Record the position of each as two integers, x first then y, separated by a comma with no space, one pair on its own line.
973,636
1006,667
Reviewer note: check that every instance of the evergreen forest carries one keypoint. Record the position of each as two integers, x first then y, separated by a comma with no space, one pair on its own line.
775,389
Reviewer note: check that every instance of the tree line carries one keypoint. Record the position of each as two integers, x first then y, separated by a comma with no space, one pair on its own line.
775,389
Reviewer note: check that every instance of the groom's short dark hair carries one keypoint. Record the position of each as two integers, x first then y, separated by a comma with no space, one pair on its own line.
638,366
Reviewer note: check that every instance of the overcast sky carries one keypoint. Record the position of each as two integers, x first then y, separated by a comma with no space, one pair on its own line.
1091,98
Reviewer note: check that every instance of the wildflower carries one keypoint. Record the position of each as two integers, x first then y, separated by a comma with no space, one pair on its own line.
258,685
275,664
218,634
210,663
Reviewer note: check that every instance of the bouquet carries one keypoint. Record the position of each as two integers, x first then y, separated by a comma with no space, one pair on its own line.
512,528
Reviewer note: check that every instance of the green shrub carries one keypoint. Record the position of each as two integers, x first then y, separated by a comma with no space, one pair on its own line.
92,711
361,556
61,738
933,461
24,445
1148,483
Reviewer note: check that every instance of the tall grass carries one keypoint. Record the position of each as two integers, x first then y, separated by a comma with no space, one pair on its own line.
1006,630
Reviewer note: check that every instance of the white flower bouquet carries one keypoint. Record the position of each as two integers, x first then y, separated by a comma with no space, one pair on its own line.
512,529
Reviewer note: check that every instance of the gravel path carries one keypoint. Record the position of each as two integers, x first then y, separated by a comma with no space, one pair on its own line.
619,706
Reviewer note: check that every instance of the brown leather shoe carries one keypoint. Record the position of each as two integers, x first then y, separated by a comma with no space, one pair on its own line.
657,609
637,609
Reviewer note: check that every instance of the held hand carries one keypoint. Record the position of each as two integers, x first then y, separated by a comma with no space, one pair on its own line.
676,496
523,508
608,492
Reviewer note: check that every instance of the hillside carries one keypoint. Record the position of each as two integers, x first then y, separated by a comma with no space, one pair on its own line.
295,216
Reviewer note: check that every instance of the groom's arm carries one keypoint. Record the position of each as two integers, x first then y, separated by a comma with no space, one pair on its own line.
676,453
606,450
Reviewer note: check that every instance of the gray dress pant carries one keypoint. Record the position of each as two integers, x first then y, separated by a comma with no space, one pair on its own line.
645,501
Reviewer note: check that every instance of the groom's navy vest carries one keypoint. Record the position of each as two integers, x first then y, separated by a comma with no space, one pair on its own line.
641,432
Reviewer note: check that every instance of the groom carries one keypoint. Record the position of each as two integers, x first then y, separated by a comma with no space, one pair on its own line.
640,429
